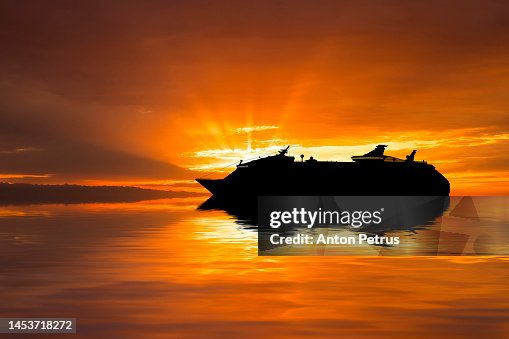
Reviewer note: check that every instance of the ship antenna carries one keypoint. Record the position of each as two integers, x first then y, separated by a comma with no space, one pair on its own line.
284,150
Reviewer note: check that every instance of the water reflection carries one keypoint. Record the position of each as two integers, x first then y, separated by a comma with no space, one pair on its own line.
425,225
163,269
401,212
244,210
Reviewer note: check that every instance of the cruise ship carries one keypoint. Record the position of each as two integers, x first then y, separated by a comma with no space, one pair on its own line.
371,174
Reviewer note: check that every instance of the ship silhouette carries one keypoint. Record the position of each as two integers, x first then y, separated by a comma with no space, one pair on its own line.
371,174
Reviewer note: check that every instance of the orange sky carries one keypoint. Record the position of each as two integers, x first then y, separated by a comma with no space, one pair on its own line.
143,91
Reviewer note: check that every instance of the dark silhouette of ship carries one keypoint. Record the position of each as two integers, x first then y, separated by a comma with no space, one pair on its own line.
372,174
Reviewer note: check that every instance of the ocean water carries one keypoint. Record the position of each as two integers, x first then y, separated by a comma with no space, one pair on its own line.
163,269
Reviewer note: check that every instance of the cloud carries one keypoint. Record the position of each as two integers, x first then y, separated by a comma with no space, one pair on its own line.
250,129
20,150
74,161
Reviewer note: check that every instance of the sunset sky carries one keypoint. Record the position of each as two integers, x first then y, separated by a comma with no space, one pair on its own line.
158,91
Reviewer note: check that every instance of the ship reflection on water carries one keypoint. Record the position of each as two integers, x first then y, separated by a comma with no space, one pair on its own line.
424,211
244,210
425,225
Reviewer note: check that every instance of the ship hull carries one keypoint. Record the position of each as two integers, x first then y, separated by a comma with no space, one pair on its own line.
339,179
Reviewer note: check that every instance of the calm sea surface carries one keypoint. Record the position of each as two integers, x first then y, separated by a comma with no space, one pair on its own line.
163,269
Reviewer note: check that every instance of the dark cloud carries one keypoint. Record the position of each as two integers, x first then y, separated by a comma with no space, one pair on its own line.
49,135
75,161
149,52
